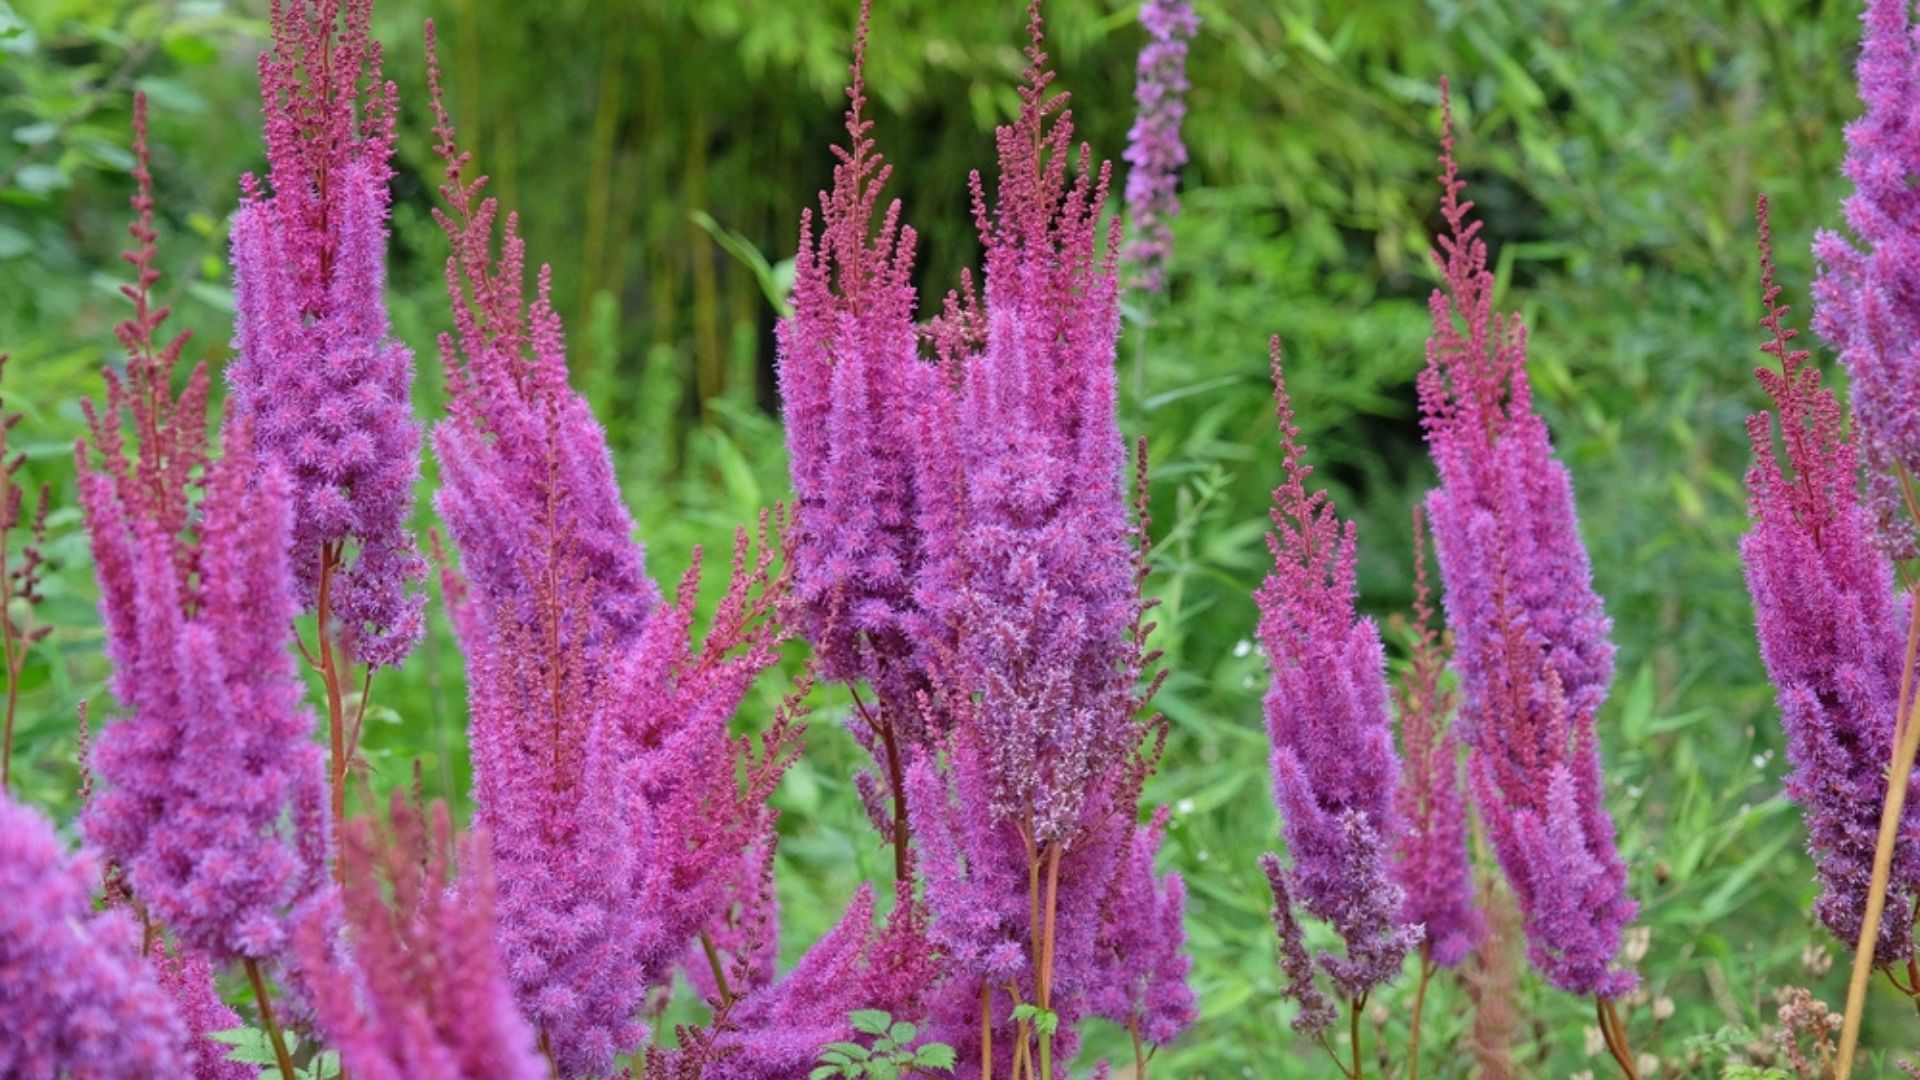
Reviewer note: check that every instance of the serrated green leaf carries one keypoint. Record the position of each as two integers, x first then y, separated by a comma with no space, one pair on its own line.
935,1056
871,1021
902,1033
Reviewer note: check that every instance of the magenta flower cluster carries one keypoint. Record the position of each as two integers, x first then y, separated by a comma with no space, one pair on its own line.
415,987
1831,630
214,822
1868,292
318,373
1334,766
965,546
75,999
1155,152
1533,656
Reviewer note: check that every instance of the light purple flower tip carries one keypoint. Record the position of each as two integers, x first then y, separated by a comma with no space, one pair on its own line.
1154,150
1867,295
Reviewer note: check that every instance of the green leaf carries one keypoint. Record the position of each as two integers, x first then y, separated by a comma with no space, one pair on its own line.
935,1056
902,1033
871,1021
822,1072
850,1051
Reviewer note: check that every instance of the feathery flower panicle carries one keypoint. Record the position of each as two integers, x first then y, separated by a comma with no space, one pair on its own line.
318,372
1154,150
1533,653
1032,636
1832,630
1031,558
1143,982
1316,1012
852,384
619,810
213,819
187,979
415,987
75,1000
520,451
777,1032
1868,292
1432,864
1334,768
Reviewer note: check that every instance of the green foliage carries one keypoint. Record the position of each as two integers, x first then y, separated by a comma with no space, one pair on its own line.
890,1056
251,1046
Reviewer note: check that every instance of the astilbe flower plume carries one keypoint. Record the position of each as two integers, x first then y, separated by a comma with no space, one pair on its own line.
1031,587
1334,767
415,987
212,799
1868,292
187,978
1155,152
318,372
75,999
777,1031
619,811
1432,864
1532,654
855,395
1832,630
1141,948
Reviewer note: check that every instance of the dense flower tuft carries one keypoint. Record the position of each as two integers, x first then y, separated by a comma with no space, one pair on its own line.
213,821
1334,767
1533,653
75,1000
1868,292
317,371
1154,150
1831,629
415,986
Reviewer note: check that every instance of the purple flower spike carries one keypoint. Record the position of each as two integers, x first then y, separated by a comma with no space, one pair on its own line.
1533,655
318,372
188,980
1154,150
1334,767
1434,866
1142,984
416,987
75,1000
215,822
1868,292
1832,631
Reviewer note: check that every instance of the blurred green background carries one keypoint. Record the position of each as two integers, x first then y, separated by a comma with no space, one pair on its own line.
659,154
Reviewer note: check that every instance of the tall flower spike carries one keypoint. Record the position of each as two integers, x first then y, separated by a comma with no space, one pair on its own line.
855,394
416,987
1433,864
75,1000
1334,767
1533,653
1030,589
188,980
318,372
1143,982
1867,295
1303,988
618,808
213,821
1832,631
1154,150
